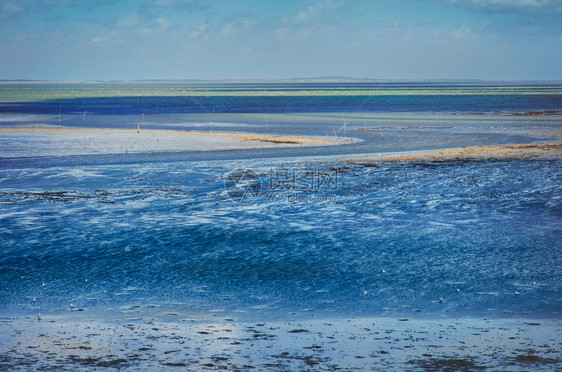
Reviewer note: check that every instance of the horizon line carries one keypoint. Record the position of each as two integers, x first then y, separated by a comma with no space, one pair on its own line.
327,79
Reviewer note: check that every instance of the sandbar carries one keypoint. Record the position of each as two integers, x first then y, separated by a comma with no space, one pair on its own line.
54,140
545,150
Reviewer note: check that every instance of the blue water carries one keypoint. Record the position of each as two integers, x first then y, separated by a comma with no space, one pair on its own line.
444,238
169,234
296,104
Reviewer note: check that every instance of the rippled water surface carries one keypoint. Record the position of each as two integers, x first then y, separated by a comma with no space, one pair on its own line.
447,238
367,239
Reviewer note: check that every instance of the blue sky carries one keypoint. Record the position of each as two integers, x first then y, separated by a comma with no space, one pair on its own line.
267,39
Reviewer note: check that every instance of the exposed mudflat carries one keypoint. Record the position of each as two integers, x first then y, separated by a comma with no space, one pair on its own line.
215,343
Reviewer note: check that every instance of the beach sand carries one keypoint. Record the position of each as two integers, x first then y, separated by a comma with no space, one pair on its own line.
53,140
134,343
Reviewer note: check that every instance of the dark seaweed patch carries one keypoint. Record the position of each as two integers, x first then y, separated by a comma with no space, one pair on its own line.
535,359
447,364
97,362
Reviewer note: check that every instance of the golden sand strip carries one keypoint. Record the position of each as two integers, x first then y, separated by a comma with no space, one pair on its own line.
514,151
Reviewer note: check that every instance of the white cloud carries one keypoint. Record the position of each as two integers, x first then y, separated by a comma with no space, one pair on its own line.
48,4
10,8
162,23
312,13
282,33
199,31
462,32
535,6
174,2
503,2
180,5
229,29
129,20
248,23
233,28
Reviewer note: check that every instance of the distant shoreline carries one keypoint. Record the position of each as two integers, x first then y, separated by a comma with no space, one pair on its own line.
328,80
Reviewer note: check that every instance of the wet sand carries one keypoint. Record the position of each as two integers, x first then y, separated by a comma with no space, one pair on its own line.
79,343
52,140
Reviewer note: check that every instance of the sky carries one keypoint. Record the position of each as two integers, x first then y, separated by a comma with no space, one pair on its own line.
280,39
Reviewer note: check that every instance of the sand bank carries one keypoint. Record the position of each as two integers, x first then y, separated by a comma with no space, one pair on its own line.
547,150
49,140
80,343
